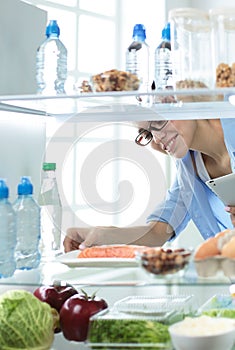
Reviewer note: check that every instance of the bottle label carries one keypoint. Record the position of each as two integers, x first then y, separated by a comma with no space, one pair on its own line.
163,68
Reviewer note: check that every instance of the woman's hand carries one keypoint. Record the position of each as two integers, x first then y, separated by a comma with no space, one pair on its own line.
74,237
82,237
231,210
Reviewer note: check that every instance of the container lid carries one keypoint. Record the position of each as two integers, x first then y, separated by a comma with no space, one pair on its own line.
49,166
222,11
226,16
52,29
191,19
187,12
4,191
139,32
25,186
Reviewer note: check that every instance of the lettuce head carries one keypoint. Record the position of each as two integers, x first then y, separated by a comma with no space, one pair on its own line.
25,322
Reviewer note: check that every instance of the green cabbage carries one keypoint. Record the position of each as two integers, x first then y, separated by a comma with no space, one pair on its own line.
25,322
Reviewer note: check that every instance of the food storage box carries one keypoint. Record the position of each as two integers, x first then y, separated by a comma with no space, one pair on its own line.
138,322
111,329
191,50
220,305
166,308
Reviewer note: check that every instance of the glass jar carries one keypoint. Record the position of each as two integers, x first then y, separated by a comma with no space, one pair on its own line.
223,39
191,49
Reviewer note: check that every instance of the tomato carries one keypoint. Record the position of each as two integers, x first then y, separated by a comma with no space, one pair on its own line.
75,314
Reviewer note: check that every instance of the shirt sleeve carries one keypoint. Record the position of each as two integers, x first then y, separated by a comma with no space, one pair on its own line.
172,210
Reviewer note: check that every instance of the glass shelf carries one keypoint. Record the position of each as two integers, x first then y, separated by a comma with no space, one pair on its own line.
130,277
124,106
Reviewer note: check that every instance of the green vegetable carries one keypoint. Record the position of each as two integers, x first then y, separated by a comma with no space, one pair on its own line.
25,322
220,313
128,331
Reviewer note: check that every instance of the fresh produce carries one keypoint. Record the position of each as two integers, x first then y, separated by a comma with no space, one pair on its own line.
54,295
220,313
26,322
128,331
76,312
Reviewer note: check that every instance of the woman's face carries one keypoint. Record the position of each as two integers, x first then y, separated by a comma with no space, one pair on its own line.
175,138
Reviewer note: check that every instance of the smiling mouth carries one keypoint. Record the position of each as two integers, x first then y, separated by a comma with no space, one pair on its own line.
168,146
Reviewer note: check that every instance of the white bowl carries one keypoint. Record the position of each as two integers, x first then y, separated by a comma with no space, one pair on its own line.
205,334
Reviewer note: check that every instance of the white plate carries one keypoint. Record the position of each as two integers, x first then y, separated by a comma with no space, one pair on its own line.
71,259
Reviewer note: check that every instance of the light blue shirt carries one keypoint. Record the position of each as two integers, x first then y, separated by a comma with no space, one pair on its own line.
189,198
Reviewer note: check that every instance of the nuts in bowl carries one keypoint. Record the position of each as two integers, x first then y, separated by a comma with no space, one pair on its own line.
160,261
115,80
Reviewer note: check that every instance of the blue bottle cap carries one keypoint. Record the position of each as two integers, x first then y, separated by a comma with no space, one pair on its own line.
4,191
52,28
25,186
139,32
166,32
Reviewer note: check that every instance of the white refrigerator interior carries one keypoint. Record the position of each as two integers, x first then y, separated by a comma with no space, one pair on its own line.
22,147
22,29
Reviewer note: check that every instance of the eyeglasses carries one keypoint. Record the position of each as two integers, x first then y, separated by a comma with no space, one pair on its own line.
145,136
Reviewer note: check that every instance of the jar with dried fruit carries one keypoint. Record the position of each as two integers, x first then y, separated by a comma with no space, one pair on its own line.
191,49
223,38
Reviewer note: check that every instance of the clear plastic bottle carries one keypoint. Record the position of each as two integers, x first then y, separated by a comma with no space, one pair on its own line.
137,57
163,63
7,233
28,226
51,212
51,63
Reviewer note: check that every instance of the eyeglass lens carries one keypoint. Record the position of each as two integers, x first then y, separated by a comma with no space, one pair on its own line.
144,138
157,125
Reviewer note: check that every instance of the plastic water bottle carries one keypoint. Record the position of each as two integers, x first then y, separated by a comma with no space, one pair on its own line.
7,233
138,56
163,63
51,62
28,226
51,213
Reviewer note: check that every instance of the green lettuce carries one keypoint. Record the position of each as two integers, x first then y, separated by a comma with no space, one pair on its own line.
25,322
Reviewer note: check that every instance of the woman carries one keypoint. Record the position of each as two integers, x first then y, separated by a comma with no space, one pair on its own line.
203,149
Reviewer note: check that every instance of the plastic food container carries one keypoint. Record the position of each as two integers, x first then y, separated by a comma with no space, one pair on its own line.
220,305
110,329
164,308
223,36
191,47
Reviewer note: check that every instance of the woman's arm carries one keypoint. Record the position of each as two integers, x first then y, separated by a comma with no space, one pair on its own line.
153,234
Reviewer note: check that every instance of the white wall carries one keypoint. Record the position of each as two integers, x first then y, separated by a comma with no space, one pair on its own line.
22,28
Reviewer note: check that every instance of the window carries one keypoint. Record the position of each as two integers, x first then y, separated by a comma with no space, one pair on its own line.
104,177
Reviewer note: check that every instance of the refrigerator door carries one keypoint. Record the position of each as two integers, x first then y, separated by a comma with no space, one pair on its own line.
22,147
22,29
